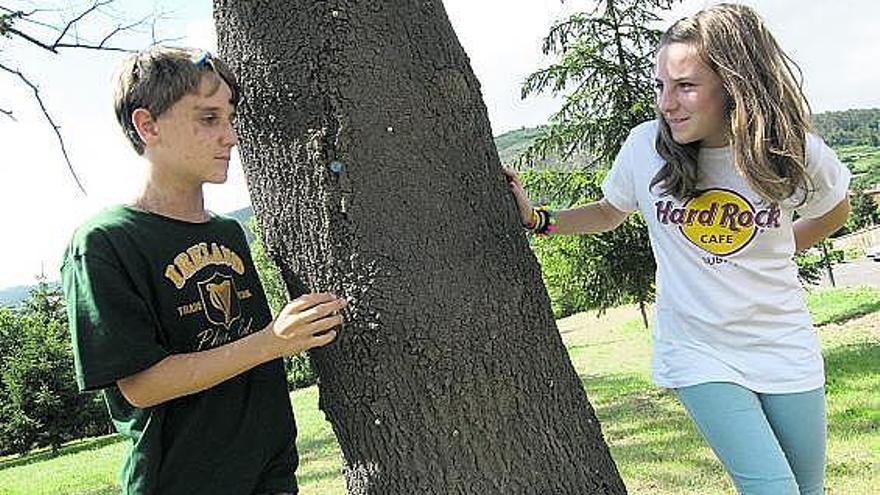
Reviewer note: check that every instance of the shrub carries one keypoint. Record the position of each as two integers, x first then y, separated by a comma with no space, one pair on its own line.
299,372
41,405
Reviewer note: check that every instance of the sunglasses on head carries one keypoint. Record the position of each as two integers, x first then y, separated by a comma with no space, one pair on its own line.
202,59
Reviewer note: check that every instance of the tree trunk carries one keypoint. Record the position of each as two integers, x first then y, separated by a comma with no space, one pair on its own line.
644,310
373,174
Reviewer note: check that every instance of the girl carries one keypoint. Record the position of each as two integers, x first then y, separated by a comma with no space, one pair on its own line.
718,177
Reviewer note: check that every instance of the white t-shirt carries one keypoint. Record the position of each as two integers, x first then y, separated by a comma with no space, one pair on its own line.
729,304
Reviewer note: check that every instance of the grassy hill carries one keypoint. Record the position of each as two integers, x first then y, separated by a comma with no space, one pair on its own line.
512,144
864,163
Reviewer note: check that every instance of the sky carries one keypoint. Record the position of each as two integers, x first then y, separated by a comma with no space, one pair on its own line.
834,43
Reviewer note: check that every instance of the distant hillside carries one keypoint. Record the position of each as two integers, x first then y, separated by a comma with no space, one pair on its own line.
243,216
11,296
849,127
514,143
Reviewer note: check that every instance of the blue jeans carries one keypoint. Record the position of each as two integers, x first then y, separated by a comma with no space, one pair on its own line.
771,444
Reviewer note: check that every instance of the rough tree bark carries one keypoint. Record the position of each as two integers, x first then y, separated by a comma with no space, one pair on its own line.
373,174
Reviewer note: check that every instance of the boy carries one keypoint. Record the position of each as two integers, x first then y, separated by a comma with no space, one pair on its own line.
166,312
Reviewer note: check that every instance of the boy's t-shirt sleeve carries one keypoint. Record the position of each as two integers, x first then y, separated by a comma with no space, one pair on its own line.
114,333
829,179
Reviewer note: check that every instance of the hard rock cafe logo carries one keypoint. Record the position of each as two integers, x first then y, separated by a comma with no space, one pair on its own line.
220,300
719,221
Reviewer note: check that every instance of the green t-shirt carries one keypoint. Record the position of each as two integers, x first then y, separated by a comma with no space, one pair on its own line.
140,287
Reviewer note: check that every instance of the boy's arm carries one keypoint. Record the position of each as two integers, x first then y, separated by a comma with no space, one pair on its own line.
303,324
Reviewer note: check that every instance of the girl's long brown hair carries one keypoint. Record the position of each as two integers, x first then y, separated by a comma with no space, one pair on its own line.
768,114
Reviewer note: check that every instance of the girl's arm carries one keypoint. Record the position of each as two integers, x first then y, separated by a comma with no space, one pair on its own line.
599,216
809,231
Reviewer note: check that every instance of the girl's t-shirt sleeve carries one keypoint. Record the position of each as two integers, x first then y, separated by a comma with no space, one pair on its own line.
829,179
618,186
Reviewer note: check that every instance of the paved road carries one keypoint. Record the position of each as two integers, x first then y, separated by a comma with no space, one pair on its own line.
859,272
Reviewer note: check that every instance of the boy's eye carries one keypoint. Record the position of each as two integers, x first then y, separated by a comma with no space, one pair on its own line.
209,119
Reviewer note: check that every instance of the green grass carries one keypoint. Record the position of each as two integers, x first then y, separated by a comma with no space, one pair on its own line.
85,467
656,447
840,305
863,161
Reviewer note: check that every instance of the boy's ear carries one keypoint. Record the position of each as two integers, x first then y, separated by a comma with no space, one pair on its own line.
145,125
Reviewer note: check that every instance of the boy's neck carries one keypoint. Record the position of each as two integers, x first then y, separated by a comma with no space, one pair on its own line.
175,201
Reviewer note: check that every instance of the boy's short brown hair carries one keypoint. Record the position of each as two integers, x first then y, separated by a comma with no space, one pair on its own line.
156,78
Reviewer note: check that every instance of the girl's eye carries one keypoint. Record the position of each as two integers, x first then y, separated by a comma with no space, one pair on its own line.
209,119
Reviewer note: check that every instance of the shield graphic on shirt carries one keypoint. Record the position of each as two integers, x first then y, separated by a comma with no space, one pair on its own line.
220,299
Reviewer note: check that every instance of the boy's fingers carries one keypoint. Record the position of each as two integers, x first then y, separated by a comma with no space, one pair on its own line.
306,301
319,311
324,324
324,339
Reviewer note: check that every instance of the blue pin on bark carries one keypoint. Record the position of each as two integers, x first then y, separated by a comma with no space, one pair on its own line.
336,167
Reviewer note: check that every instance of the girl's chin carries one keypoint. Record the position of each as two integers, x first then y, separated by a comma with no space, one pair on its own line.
683,139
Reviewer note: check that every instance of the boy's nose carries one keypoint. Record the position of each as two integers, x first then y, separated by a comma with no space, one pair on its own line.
230,137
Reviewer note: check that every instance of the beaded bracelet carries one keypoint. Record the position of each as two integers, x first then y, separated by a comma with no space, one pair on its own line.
543,221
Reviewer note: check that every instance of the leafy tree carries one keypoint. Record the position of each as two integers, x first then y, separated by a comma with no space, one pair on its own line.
865,212
40,402
849,127
818,260
604,67
585,272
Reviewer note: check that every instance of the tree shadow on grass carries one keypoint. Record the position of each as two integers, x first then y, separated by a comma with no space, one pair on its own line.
844,316
314,449
849,368
316,443
104,490
319,476
650,435
70,449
